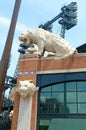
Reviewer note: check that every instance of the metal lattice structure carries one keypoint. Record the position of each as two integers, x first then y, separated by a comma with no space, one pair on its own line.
68,19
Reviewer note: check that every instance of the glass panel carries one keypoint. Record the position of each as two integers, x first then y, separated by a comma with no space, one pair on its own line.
81,96
58,87
57,102
47,89
43,101
72,108
82,108
81,86
71,97
44,124
52,98
71,86
52,104
61,108
59,96
43,96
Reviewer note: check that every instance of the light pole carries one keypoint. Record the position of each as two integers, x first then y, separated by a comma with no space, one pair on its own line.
7,49
68,17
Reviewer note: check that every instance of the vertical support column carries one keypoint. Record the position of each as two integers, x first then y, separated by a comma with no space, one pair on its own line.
27,71
34,111
24,116
25,107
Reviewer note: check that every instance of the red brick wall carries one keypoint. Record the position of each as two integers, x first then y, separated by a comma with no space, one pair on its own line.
69,63
46,64
34,65
15,116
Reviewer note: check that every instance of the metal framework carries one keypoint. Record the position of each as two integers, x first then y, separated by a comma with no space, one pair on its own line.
68,19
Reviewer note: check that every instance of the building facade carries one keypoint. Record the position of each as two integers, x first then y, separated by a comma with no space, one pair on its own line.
61,98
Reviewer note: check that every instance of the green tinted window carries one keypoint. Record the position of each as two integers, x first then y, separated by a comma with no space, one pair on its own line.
62,98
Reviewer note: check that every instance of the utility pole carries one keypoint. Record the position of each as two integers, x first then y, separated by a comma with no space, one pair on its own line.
7,49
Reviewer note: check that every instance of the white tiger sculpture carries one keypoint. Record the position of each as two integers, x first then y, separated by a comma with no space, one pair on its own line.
32,49
25,89
47,41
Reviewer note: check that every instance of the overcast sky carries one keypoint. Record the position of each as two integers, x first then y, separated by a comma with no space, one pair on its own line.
34,12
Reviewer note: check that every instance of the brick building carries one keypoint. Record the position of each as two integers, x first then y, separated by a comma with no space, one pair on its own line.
61,95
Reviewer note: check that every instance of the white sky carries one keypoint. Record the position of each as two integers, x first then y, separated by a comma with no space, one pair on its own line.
34,12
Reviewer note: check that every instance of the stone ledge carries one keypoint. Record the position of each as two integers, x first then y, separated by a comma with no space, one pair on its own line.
36,57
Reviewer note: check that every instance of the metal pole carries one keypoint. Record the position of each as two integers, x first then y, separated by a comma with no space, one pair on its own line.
63,29
7,49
